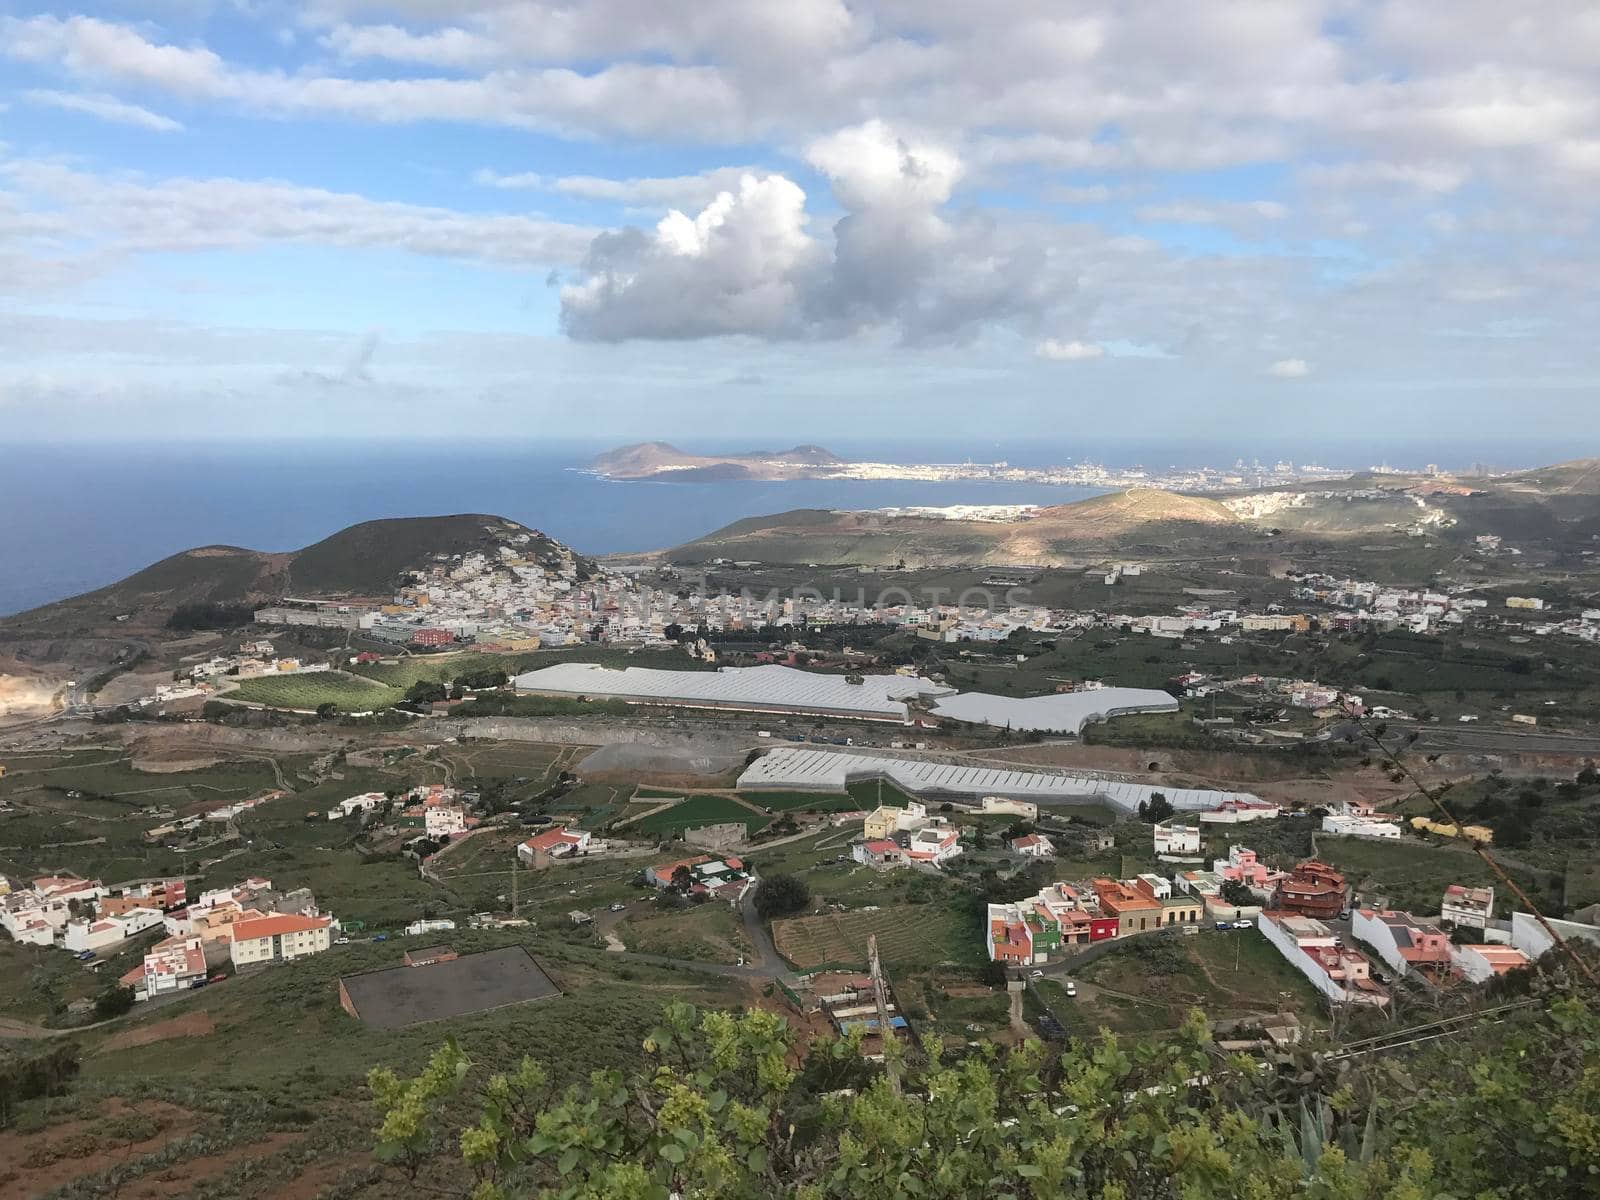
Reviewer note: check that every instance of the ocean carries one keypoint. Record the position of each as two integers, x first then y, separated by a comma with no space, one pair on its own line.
77,517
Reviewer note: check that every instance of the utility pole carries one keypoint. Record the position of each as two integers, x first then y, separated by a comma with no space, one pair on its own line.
514,864
880,995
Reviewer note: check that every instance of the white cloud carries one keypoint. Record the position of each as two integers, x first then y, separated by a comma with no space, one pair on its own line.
678,191
1289,368
107,108
112,216
1059,351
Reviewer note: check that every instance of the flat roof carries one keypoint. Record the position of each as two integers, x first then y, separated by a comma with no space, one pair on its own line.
1068,712
765,687
791,768
458,987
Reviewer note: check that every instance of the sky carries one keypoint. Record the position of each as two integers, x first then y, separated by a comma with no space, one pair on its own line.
637,218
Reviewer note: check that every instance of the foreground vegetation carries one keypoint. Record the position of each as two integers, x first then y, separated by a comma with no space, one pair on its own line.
721,1110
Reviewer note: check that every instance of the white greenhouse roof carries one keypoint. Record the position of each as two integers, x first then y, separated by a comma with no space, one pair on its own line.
795,769
1065,713
772,687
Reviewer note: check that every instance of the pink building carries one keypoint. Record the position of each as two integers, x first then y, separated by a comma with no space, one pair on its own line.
1242,866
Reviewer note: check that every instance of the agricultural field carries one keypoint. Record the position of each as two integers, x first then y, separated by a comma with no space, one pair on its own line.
534,762
697,811
1149,984
308,692
917,935
870,793
802,801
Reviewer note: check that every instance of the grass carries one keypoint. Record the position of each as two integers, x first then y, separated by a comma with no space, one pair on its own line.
870,793
349,692
710,932
1411,874
803,801
700,810
908,935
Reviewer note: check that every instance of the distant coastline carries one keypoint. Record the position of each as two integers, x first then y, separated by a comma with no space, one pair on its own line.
661,462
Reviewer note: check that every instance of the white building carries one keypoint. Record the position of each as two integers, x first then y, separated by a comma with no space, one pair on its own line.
438,925
97,934
1173,838
282,936
1238,812
936,844
169,966
365,802
1032,845
1005,806
1159,886
1482,963
1341,825
1531,938
1467,908
444,820
1342,975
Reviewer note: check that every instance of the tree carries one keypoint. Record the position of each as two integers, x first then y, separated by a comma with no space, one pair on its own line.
717,1110
113,1002
1156,809
425,691
327,710
781,896
682,878
1236,893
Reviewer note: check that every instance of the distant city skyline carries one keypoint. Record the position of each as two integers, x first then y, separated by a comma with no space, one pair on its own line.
1358,221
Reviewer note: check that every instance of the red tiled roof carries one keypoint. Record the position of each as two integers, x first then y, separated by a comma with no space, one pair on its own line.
276,925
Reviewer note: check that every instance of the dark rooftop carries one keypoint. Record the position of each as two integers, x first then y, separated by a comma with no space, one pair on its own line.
473,983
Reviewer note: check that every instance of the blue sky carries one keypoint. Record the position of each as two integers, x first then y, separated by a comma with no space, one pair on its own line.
633,219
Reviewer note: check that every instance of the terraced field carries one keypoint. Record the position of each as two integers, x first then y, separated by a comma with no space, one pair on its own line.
908,934
350,692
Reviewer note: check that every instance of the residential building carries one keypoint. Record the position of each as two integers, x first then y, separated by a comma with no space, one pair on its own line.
1243,866
1350,825
1341,974
1175,838
433,637
100,932
1312,889
887,820
1466,907
934,844
554,843
1404,943
1157,887
279,937
1032,845
1237,812
1135,911
1010,941
723,878
444,820
169,966
1480,963
1200,884
880,853
365,802
1005,806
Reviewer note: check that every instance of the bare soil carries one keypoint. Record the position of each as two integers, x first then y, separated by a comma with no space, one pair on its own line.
32,1164
189,1025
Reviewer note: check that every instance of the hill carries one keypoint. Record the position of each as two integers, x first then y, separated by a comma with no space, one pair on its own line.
368,559
661,460
1046,536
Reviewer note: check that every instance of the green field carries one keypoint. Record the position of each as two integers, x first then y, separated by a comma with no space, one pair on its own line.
697,811
710,932
1412,874
349,692
803,801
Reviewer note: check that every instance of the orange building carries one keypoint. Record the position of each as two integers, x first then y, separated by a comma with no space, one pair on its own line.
1134,910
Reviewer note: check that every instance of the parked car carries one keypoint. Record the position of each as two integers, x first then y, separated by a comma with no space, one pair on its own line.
218,977
380,937
1035,974
341,941
618,906
1070,988
198,983
84,955
1247,923
1224,925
